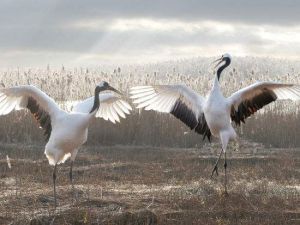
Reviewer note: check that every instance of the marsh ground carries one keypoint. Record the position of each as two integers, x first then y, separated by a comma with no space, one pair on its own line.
146,185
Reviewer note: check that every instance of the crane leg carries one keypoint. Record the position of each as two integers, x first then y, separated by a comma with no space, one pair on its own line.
71,180
71,174
225,167
54,184
215,170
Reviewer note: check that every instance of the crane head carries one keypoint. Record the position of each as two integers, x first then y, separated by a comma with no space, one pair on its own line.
104,86
225,57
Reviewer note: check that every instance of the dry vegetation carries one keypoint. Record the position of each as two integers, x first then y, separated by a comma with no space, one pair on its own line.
146,185
153,170
150,128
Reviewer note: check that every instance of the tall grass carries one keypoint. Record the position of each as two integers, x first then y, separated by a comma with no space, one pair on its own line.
277,125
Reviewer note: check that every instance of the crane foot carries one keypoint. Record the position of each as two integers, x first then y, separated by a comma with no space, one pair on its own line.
215,170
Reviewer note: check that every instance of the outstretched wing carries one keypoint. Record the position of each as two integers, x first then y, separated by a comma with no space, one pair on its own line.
39,104
112,107
248,100
179,100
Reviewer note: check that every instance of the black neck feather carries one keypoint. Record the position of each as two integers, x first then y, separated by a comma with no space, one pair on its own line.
96,100
221,68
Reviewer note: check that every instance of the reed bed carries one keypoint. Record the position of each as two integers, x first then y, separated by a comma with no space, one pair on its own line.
149,128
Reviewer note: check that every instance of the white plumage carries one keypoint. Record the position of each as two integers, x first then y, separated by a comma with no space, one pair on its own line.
112,107
163,97
212,115
17,98
65,131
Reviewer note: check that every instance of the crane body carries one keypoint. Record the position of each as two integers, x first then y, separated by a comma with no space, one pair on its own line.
65,131
213,115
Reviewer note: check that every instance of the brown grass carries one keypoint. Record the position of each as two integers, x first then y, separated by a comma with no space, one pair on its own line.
168,183
146,185
149,128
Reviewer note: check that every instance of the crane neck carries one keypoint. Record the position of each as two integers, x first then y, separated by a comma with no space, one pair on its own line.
216,85
221,68
96,101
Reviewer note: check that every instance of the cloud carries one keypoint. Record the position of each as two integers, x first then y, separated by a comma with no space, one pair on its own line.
242,11
128,30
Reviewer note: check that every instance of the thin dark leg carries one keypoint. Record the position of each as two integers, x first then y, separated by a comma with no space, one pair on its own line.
54,185
71,173
216,165
225,167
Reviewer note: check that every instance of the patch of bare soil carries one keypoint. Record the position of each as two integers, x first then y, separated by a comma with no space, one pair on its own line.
126,185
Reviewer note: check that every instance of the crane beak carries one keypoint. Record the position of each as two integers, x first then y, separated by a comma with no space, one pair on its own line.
110,88
220,60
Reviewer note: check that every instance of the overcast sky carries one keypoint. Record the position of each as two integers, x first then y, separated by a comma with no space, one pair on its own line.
78,32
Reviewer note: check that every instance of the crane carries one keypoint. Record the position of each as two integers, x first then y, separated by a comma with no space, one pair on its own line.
214,114
65,131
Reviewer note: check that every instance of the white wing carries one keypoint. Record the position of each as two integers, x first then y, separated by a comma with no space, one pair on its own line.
40,104
252,98
179,100
112,107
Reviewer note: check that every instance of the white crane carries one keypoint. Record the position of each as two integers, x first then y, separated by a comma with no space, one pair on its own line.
212,115
64,131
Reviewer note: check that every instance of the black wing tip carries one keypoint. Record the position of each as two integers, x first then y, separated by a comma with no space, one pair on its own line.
249,107
202,128
41,116
182,112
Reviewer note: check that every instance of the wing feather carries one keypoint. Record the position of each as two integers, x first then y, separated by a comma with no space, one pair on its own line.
2,98
122,107
114,114
143,99
3,106
125,106
146,93
9,107
119,111
147,103
105,113
178,100
112,107
37,102
248,100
